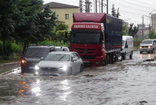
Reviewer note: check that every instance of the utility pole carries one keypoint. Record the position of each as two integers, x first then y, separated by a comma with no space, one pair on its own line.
101,6
107,6
143,27
87,5
80,5
95,6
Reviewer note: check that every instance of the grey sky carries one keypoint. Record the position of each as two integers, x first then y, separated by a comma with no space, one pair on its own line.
130,10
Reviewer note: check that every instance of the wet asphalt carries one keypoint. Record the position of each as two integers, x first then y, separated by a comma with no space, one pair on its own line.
130,82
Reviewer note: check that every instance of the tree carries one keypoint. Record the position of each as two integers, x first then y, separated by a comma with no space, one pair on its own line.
152,35
114,12
33,23
7,8
124,29
133,30
61,32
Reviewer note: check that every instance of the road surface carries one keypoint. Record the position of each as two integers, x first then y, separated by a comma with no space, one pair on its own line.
130,82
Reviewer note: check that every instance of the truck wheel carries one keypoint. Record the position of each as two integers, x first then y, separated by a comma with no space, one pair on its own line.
124,56
105,61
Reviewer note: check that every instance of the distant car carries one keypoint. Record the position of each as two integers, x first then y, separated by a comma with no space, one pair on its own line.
60,63
61,48
148,45
32,56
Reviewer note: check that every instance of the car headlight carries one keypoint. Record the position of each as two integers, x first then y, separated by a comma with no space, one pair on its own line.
149,46
64,68
37,67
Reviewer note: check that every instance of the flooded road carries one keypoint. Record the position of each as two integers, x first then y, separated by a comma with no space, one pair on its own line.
130,82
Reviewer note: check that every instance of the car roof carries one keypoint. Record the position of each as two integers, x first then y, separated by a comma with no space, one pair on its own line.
62,52
40,46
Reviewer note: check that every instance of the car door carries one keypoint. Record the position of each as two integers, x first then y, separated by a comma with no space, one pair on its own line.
75,63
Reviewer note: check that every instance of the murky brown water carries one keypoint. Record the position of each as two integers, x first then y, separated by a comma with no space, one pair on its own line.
130,82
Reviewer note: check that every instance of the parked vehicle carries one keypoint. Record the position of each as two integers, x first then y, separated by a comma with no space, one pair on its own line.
97,37
148,45
61,48
127,47
33,56
60,63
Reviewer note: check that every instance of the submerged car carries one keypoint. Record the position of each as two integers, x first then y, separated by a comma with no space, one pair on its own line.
32,56
148,45
60,63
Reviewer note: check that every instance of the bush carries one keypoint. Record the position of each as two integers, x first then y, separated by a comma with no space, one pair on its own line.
10,48
55,43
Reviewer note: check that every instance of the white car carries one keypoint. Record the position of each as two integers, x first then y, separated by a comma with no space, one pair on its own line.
61,48
148,45
60,63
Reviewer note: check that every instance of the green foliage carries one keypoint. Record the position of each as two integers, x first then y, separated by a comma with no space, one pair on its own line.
124,30
11,47
152,35
61,26
133,30
54,43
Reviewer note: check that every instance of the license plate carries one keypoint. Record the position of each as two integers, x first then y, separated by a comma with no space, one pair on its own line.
85,61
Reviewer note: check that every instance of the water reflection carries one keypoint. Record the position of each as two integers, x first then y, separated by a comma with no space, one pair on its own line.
66,90
36,89
148,57
24,88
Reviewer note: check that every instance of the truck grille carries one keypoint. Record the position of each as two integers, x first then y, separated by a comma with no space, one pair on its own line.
87,57
86,51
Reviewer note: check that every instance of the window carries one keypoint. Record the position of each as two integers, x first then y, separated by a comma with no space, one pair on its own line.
66,16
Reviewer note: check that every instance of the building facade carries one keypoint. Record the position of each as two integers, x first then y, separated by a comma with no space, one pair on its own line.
64,12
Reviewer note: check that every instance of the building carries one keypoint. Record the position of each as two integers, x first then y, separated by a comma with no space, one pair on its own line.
143,32
64,12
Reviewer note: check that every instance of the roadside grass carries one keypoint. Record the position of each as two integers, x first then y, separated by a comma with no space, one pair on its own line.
2,61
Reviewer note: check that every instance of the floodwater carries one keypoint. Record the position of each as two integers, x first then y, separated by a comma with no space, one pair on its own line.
130,82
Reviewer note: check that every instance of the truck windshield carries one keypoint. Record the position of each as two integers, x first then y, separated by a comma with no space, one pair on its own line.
86,37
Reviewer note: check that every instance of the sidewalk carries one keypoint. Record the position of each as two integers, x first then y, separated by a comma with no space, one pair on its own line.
9,66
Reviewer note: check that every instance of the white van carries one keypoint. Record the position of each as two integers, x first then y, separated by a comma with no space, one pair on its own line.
127,47
148,45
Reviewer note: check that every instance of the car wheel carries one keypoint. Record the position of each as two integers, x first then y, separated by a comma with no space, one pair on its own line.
140,52
22,71
124,56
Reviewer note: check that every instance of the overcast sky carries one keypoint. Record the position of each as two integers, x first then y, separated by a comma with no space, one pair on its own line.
131,11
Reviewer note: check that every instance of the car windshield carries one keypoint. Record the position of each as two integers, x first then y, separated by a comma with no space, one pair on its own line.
123,42
57,57
36,52
86,37
146,42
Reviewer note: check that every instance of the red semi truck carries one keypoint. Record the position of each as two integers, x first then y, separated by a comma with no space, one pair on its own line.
97,37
